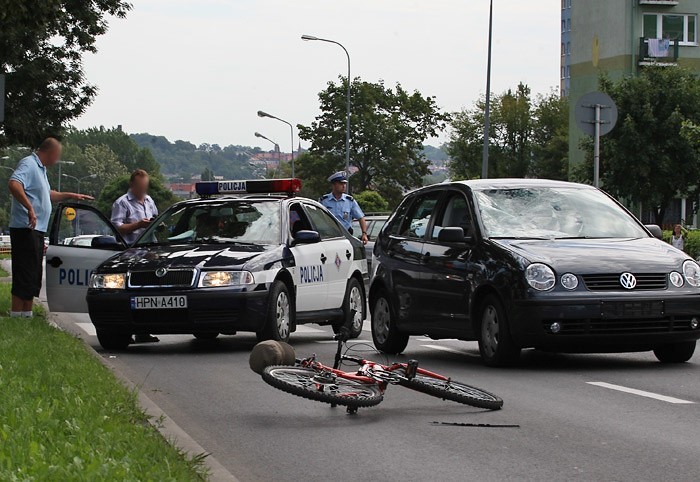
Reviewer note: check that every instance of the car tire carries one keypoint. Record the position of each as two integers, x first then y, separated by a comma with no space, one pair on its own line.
114,341
352,319
675,352
496,346
280,310
385,335
205,335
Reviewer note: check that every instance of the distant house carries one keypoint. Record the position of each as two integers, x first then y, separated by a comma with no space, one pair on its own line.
184,190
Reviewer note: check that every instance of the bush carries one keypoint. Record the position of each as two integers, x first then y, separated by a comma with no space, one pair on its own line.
371,202
692,241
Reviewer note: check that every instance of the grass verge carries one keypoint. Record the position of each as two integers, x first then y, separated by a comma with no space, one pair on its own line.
64,416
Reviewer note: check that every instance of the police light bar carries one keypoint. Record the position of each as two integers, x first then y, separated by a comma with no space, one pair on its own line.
257,186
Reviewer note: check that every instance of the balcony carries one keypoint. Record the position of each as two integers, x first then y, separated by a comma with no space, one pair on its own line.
656,52
669,3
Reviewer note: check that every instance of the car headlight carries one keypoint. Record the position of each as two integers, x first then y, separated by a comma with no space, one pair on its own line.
691,272
676,279
540,276
112,281
212,279
569,281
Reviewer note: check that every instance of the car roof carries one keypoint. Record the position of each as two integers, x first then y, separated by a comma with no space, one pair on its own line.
510,183
243,198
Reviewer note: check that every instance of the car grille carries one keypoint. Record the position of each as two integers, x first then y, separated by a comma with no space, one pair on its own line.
611,282
652,325
175,277
172,317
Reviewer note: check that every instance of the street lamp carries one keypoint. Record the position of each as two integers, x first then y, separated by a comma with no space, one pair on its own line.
347,114
265,114
277,148
487,107
59,172
80,179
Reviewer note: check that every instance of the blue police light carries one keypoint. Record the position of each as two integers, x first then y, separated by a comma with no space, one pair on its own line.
258,186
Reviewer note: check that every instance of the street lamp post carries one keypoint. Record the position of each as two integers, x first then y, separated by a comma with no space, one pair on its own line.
59,172
277,148
80,179
347,113
291,128
487,108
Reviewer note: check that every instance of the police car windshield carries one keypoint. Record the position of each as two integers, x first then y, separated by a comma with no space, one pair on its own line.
220,222
553,213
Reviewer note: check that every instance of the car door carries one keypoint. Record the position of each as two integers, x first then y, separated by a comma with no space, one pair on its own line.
446,279
405,248
68,266
337,253
310,272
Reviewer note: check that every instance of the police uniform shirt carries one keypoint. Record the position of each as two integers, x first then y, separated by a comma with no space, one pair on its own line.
345,209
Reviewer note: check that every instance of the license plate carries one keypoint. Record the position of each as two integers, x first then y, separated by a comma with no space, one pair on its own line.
158,302
632,309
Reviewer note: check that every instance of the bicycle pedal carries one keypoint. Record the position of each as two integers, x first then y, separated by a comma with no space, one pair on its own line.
411,369
351,410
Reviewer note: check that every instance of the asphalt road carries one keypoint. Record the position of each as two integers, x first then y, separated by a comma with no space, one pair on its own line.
569,428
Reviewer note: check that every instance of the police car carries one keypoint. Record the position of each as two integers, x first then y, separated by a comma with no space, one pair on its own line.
245,256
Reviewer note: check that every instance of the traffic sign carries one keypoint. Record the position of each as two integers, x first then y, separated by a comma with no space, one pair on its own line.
69,213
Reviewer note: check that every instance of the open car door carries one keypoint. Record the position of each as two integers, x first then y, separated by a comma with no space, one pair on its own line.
80,239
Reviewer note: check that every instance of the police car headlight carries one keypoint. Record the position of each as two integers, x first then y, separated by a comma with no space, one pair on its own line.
212,279
691,272
112,281
540,276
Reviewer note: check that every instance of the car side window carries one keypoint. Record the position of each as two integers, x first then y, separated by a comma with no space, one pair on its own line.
78,227
324,223
298,221
455,214
393,226
415,224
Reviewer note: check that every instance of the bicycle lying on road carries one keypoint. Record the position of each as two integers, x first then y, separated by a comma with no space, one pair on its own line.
365,387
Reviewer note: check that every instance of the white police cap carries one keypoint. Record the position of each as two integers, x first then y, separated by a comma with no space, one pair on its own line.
339,176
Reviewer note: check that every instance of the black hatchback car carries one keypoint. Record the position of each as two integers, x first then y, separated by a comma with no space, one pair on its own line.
523,263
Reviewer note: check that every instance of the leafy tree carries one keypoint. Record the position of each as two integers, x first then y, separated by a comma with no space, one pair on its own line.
550,138
371,202
161,195
653,154
314,170
41,47
207,175
387,130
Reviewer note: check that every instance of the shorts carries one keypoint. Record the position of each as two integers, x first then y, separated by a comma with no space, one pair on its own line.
27,262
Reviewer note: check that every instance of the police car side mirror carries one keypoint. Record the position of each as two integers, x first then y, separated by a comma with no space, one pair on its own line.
452,235
655,231
306,237
106,242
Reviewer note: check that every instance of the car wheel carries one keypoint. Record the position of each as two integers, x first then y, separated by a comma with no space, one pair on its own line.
385,334
495,343
114,341
278,321
675,352
205,335
353,310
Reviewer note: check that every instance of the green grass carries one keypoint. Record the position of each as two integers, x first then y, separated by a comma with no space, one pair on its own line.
3,273
5,256
64,416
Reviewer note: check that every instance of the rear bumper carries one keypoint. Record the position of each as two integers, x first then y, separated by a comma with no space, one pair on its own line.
220,310
601,325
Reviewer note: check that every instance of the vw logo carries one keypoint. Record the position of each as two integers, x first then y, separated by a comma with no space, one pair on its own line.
628,281
160,272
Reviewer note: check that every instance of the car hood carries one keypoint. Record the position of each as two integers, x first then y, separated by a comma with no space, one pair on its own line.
598,256
184,256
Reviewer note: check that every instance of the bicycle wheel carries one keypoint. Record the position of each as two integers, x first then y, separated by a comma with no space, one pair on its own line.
322,387
455,391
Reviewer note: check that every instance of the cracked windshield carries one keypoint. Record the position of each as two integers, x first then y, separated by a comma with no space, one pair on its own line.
553,213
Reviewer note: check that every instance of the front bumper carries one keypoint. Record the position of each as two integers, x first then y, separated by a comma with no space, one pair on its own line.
592,323
222,310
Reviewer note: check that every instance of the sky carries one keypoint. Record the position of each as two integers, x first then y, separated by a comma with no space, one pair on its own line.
199,70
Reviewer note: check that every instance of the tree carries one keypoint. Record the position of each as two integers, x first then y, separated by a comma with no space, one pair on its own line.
653,154
314,170
41,48
371,202
526,138
161,195
387,130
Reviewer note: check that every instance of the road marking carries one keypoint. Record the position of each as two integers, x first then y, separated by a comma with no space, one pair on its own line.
641,393
444,348
308,329
88,328
366,327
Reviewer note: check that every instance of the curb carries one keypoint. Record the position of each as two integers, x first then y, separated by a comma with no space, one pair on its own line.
165,425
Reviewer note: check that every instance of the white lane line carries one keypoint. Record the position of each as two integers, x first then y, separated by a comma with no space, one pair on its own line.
641,393
308,329
444,348
88,328
366,327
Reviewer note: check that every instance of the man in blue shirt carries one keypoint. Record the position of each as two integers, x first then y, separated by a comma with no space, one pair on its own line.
343,206
29,220
132,213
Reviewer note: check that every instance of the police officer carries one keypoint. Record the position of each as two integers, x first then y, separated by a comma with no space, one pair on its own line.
343,206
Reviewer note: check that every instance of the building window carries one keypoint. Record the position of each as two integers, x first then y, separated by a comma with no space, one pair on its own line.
563,72
568,48
568,24
681,27
563,26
